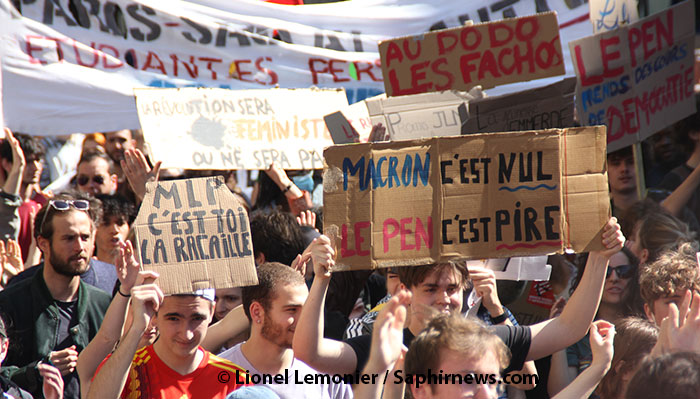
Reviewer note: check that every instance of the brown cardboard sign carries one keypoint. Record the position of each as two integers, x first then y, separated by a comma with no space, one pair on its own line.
548,107
488,54
422,115
477,196
638,78
196,235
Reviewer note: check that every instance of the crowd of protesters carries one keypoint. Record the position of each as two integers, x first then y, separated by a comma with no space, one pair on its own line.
82,319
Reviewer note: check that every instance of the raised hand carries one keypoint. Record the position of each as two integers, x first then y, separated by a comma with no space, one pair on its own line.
307,218
14,177
323,255
485,285
613,239
602,335
127,266
137,171
146,298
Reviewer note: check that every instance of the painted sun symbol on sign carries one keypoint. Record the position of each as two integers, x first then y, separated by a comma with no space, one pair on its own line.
208,132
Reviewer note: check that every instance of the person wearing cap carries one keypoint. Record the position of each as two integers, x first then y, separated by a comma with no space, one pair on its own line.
175,365
53,314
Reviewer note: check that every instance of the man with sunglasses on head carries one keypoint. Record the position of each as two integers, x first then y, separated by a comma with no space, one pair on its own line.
95,174
100,273
54,315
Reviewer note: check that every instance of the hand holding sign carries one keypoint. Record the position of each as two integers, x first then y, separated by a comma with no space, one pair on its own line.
146,298
485,285
323,256
613,239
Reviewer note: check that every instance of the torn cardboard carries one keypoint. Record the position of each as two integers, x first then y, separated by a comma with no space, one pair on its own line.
548,107
350,125
478,196
488,54
423,115
195,234
637,79
196,128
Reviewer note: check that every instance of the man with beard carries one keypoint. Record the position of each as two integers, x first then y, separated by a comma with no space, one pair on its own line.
273,308
54,315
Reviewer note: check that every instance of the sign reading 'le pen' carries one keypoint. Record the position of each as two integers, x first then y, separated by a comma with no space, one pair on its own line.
477,196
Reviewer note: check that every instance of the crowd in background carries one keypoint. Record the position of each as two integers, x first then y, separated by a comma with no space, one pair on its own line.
82,319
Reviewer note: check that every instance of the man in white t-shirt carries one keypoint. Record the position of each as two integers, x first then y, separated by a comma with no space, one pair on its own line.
273,308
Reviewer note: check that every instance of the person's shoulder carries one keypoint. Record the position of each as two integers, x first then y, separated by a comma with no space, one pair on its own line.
96,294
230,353
12,291
220,362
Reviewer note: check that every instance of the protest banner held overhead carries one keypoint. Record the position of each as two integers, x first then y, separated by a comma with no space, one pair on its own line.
477,196
637,79
242,129
489,54
196,235
65,64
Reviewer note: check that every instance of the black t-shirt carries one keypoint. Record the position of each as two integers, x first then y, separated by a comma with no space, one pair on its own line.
67,321
516,338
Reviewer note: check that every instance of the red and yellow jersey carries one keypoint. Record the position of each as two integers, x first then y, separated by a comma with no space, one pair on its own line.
150,378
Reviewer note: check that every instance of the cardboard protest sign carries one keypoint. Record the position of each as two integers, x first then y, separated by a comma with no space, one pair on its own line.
477,196
350,125
534,304
637,79
237,129
489,54
422,115
607,15
196,235
545,107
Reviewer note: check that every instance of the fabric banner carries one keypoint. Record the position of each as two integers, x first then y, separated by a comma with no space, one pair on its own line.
71,66
637,79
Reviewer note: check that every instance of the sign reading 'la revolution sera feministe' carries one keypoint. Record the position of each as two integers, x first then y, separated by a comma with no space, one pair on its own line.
477,196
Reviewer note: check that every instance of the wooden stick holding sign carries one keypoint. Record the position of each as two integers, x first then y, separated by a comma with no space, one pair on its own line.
195,234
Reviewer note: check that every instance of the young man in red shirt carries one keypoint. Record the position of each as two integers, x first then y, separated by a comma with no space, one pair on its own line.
175,366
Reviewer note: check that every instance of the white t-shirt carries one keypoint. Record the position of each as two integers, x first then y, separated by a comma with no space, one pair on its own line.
296,372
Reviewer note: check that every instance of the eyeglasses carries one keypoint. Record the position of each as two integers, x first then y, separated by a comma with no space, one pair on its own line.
83,180
63,205
622,271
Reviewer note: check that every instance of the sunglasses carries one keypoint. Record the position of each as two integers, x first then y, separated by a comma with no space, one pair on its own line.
84,180
64,205
622,271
